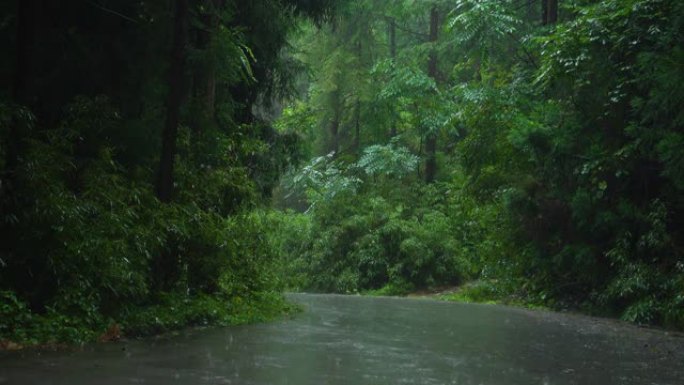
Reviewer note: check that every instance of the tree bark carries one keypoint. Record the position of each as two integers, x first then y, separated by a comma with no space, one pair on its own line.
205,75
334,145
393,38
531,14
26,31
357,104
357,125
549,12
431,140
552,17
393,56
25,37
173,104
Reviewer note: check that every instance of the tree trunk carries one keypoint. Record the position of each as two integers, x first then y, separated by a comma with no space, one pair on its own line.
26,11
173,103
549,12
26,30
335,132
431,140
357,104
334,145
552,17
205,75
531,14
393,55
357,125
393,38
23,272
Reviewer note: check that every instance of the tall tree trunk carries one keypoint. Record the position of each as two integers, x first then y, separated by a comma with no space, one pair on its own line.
335,129
357,125
531,14
552,17
393,55
431,140
26,11
205,75
166,266
29,278
173,104
26,30
357,104
393,38
549,12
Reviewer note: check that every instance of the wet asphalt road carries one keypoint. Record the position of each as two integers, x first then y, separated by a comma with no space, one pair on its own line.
356,340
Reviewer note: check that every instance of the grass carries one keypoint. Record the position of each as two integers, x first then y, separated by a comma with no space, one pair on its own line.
480,291
492,292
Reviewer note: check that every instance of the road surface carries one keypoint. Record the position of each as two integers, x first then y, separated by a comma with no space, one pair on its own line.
355,340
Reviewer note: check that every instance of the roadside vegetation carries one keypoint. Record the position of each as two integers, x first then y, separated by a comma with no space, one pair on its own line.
133,164
172,163
530,152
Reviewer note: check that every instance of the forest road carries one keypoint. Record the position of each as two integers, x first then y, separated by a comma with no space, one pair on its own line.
355,340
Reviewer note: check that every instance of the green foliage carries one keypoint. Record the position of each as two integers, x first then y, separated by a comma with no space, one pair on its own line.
478,292
559,147
388,161
382,236
324,178
623,240
560,151
13,312
176,311
20,325
87,244
482,22
92,235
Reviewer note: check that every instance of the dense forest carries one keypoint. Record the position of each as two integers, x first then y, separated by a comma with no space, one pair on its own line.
133,163
172,162
530,151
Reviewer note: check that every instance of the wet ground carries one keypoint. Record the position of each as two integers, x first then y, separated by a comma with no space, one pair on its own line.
355,340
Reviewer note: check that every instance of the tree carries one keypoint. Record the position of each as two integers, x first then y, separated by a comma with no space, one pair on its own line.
549,11
25,31
204,79
130,157
431,141
560,137
177,84
392,37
